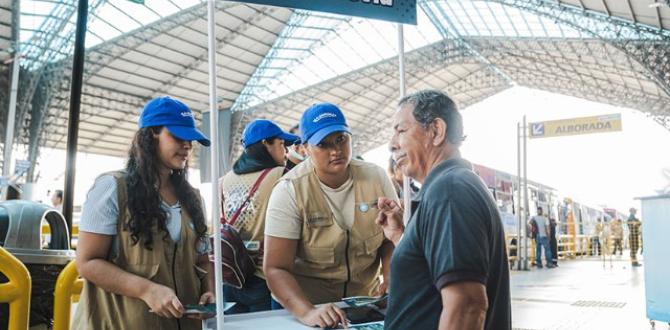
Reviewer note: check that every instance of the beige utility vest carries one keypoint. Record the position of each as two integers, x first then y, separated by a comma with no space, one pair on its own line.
168,263
251,222
333,262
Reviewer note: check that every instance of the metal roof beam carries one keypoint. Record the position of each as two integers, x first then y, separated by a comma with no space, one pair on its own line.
202,58
622,34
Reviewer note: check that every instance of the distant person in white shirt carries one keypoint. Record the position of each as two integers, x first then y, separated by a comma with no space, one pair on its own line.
541,230
57,200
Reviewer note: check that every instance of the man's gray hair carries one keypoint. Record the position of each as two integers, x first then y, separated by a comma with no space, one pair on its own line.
432,104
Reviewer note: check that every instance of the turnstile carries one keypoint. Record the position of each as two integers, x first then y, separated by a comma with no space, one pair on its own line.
655,228
21,235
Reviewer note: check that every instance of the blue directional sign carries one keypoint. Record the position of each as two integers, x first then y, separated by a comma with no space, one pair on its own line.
400,11
537,129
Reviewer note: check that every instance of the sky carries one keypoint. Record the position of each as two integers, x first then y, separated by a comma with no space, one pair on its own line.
601,170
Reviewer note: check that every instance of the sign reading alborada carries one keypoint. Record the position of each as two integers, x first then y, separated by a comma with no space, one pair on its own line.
576,126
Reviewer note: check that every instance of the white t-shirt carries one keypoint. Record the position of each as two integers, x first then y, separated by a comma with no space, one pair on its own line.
100,214
283,218
542,225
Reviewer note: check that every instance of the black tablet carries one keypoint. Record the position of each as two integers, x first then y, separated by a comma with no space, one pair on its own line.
363,314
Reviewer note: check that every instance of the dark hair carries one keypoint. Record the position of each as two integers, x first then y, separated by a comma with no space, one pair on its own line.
13,192
259,152
432,104
144,201
59,193
295,129
392,165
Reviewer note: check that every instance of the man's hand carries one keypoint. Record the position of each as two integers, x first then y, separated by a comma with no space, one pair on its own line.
390,219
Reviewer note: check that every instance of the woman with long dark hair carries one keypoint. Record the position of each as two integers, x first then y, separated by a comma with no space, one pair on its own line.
261,165
143,244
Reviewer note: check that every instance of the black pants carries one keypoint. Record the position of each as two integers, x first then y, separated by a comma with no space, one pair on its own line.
618,246
553,243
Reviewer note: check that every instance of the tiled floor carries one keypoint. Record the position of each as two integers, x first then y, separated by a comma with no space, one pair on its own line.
581,294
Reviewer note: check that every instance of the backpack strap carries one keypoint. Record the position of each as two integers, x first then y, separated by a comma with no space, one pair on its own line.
244,204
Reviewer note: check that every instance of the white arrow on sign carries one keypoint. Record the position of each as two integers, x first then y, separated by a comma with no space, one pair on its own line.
537,129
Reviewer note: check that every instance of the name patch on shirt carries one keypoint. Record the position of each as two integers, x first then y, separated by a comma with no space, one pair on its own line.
319,220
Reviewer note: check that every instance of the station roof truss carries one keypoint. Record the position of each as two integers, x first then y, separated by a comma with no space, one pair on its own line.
275,62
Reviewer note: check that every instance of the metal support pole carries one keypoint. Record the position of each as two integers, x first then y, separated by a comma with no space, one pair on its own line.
75,105
525,187
519,256
13,92
407,194
214,161
401,60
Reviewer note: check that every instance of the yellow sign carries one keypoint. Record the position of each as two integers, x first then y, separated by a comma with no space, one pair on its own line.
576,126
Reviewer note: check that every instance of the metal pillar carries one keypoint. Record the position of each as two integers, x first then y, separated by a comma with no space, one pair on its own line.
522,196
14,89
407,190
526,212
75,105
519,256
214,161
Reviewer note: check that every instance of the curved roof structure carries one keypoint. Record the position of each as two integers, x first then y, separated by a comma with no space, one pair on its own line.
5,29
275,62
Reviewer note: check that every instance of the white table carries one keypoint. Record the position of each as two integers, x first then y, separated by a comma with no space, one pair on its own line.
274,320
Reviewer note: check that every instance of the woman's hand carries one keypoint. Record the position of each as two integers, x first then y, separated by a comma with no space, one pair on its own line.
383,288
206,298
163,301
325,316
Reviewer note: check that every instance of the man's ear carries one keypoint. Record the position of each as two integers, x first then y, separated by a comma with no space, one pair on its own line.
438,131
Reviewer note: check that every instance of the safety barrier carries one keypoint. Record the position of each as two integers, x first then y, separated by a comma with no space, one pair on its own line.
16,292
68,289
566,246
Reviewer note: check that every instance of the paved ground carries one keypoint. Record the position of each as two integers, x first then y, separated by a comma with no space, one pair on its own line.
581,294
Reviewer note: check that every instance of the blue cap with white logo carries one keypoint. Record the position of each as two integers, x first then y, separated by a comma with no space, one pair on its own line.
321,120
175,116
261,129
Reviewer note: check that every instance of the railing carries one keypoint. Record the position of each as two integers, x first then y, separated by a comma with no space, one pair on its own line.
16,292
68,289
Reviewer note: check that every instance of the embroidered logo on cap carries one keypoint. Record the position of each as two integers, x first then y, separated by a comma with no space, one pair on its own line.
323,116
187,114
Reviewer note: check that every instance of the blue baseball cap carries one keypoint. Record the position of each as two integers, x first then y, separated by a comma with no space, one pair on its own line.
261,129
321,120
175,116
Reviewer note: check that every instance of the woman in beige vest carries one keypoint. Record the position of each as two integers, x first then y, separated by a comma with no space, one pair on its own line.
262,164
321,240
143,238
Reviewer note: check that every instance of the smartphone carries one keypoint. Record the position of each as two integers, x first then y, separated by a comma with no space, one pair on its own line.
200,309
359,301
363,314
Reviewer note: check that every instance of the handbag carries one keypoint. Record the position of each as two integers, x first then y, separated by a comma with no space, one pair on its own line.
236,263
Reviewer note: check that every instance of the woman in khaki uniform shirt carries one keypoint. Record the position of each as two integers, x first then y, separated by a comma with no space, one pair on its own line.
321,240
143,238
